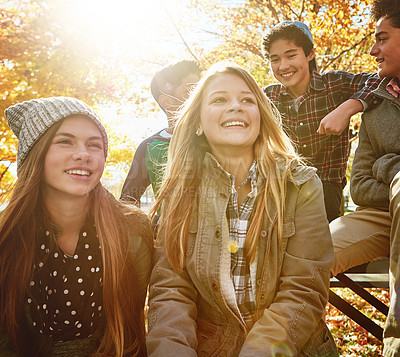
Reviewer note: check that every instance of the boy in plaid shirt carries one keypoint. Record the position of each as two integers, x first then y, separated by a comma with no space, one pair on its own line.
314,105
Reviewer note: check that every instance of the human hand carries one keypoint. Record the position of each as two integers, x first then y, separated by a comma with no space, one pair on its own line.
333,124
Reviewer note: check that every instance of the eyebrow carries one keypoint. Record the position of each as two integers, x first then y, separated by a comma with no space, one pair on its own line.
69,135
286,52
380,33
224,91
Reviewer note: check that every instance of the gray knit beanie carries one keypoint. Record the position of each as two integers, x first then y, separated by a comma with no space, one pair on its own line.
30,120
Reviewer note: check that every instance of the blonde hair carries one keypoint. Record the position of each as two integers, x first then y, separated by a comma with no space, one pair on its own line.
185,159
19,227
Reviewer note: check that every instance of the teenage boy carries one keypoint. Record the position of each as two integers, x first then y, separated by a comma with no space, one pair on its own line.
312,104
373,230
170,88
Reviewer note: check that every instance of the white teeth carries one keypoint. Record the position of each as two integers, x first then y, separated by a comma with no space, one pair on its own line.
78,172
234,123
287,74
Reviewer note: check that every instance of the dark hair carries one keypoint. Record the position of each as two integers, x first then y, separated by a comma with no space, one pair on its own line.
386,8
290,32
172,75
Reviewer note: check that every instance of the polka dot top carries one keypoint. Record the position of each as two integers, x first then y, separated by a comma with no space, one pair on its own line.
65,295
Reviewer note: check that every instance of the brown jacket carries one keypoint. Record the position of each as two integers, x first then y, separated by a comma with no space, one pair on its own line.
195,313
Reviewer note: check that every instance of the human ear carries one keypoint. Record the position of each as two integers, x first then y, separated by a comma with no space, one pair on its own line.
311,56
199,130
163,100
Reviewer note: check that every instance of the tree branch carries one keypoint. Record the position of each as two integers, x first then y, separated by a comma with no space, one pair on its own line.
346,50
4,172
270,8
181,36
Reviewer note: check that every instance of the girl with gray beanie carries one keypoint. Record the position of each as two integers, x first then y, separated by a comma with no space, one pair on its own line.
74,262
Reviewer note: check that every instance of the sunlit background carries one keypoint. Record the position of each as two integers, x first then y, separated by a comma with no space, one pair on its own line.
134,39
107,51
137,38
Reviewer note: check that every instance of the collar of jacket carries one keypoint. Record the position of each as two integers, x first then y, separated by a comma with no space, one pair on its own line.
382,92
299,174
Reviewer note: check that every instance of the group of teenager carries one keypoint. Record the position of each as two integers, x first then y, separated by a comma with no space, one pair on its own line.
246,182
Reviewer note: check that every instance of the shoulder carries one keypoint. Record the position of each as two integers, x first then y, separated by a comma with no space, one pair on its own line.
159,136
297,172
333,76
140,233
272,89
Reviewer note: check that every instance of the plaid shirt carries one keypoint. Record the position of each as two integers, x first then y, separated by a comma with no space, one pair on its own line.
239,222
301,117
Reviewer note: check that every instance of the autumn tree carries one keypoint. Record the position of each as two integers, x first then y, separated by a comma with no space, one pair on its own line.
341,29
41,56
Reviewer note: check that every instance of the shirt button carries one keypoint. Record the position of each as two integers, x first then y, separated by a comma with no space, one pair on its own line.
305,145
217,233
262,296
258,282
215,286
263,233
301,124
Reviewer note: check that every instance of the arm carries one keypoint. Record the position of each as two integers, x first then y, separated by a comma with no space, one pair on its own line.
370,175
356,92
141,248
386,167
299,304
138,178
172,311
338,120
359,86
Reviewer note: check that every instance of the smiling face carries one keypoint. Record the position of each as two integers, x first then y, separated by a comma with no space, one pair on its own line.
386,49
230,117
290,65
75,160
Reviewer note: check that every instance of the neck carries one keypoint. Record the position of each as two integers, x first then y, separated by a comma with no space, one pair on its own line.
68,214
301,88
171,124
236,162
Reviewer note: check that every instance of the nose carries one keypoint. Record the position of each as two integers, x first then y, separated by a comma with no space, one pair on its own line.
374,50
236,105
81,153
283,64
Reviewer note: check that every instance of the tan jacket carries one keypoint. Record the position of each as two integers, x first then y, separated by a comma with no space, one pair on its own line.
195,313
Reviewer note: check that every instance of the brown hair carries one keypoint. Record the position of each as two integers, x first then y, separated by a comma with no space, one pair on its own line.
386,8
19,227
290,32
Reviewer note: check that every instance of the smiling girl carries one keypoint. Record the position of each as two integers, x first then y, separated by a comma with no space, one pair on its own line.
244,250
74,262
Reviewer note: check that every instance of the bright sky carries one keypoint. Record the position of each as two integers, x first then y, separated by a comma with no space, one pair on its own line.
142,33
140,38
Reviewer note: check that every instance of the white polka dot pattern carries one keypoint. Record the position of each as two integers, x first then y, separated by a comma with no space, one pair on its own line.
65,299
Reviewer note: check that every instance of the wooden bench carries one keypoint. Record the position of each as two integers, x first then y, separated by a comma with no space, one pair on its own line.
371,275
